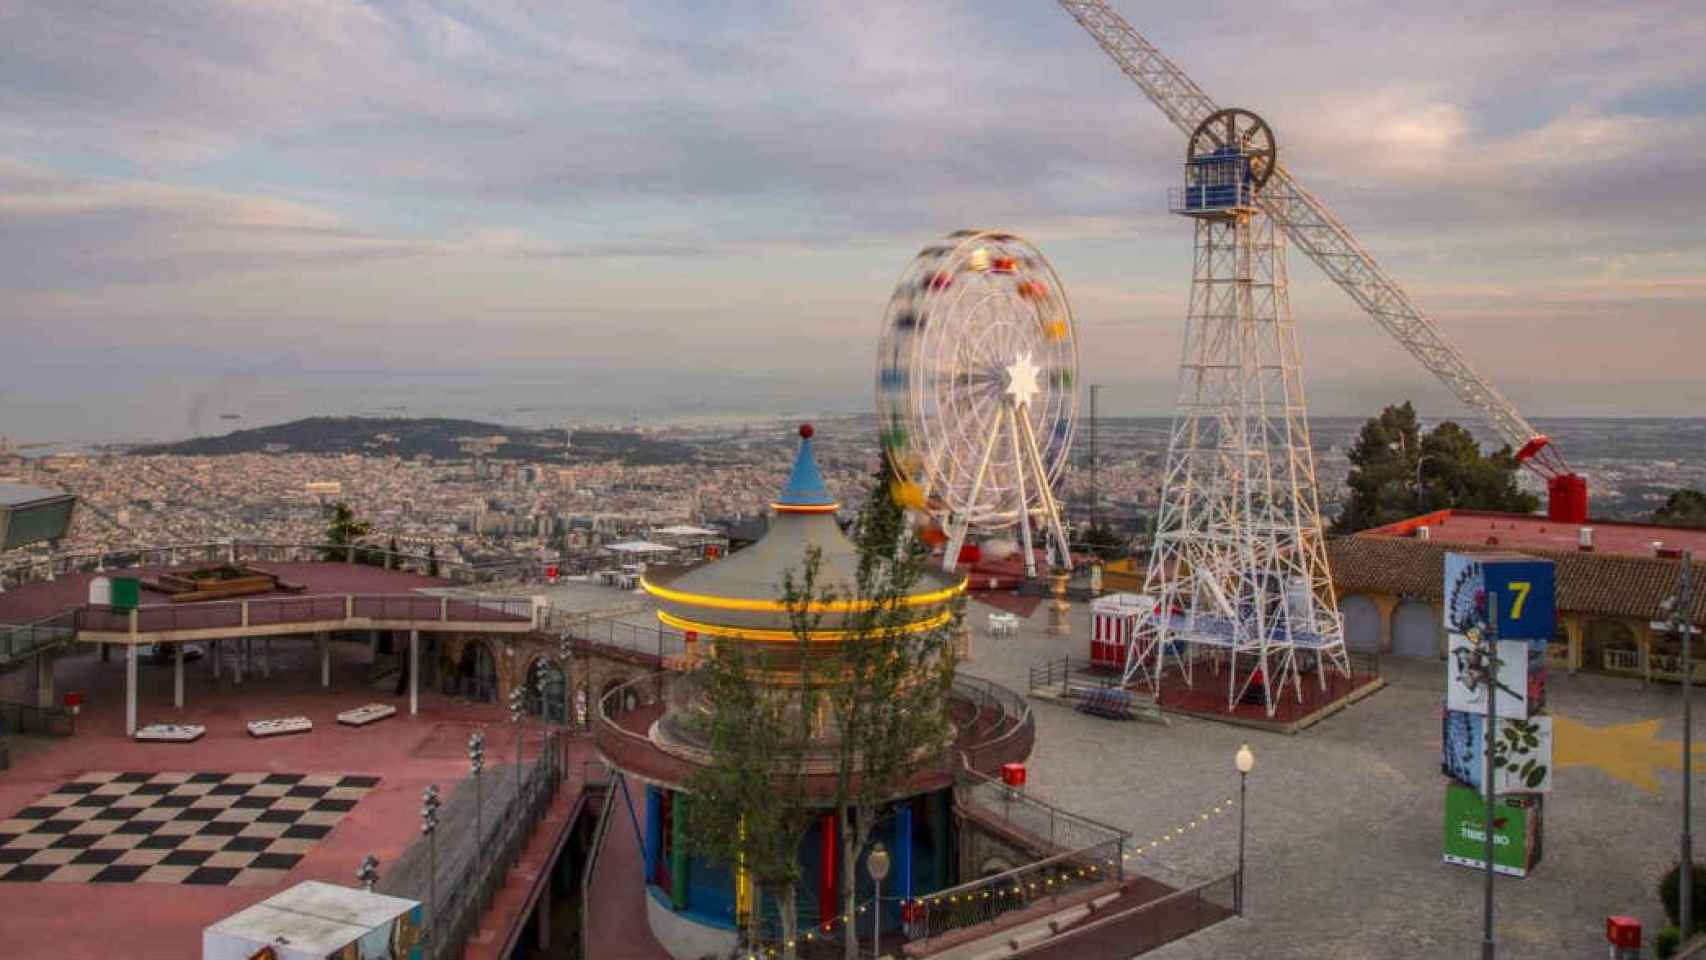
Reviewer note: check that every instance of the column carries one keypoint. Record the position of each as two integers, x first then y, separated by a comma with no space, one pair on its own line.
130,690
216,647
903,850
266,656
654,833
178,677
678,850
44,679
828,904
414,672
1385,604
373,646
326,661
1573,630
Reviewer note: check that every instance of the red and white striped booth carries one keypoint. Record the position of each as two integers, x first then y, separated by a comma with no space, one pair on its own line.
1113,620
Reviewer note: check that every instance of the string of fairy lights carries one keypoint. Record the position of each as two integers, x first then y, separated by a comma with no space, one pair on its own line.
1020,888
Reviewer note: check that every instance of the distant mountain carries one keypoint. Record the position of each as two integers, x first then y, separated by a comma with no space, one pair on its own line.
440,438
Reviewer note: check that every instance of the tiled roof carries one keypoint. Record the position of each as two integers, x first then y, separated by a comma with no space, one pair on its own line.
1593,583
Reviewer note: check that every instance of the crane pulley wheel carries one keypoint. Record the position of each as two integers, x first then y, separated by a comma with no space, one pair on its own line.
1240,128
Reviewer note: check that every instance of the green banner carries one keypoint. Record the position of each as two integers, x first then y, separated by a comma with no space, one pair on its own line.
1516,825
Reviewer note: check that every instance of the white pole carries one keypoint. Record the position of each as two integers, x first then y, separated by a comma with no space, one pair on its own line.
178,678
1024,499
414,671
130,690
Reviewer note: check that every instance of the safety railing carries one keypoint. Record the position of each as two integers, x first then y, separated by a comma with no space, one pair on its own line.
984,902
655,642
274,611
28,718
1205,197
474,853
17,642
34,567
1150,925
1010,723
1040,825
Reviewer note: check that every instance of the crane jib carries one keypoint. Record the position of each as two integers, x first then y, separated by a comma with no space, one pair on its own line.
1313,228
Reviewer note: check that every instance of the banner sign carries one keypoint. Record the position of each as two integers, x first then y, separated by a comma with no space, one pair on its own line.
1516,831
1525,588
1522,752
1465,690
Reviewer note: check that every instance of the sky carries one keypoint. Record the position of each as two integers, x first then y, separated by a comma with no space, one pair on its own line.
667,203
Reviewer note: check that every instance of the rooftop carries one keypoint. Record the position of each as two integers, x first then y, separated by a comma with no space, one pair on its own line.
1529,532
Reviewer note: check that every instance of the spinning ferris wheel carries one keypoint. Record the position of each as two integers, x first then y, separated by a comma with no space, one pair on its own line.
975,396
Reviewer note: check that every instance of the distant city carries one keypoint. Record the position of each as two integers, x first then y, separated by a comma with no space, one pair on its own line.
475,490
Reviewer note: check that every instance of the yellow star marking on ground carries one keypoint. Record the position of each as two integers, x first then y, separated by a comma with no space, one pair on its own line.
1630,752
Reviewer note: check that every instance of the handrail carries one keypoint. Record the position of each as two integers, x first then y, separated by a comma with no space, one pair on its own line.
599,833
1153,906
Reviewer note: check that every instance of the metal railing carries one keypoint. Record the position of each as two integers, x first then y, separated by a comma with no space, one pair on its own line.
271,611
647,640
1049,828
1149,925
17,642
985,901
472,863
27,718
1009,710
35,568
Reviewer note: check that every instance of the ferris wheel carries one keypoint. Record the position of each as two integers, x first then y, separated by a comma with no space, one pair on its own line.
975,390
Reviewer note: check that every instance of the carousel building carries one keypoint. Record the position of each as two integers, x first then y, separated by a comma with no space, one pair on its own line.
694,906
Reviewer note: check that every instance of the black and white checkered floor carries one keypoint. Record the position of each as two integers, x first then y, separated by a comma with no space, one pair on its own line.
206,828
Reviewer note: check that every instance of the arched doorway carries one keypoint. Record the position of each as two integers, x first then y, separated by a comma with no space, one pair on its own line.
546,691
476,674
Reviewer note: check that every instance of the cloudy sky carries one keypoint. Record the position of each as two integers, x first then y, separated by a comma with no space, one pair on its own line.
714,195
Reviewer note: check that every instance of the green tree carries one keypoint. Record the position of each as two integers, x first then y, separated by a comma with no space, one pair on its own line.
748,807
343,531
1397,472
1683,508
432,560
1105,542
888,682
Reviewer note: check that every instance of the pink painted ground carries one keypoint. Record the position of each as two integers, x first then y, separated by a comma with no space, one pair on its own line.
60,920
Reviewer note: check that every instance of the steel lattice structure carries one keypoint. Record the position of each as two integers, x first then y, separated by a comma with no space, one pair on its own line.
1309,224
1239,563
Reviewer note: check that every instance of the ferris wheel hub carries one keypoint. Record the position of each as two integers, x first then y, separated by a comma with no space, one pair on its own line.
1022,380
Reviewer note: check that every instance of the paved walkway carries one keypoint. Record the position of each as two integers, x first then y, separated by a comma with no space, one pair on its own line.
53,921
1346,820
616,918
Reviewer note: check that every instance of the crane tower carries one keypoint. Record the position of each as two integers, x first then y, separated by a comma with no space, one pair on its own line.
1239,384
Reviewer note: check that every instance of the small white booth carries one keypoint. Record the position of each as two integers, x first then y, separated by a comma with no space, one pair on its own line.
1113,623
319,921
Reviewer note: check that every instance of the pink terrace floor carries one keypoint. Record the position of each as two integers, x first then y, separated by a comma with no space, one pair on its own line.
147,921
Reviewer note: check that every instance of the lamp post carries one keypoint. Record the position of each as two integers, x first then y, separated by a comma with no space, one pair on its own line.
477,764
1245,761
1682,611
429,826
877,864
517,710
368,874
1483,668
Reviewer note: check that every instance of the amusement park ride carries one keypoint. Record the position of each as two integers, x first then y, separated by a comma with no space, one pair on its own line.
1239,562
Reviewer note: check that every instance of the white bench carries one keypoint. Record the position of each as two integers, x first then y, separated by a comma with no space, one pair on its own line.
368,713
171,732
279,726
1003,625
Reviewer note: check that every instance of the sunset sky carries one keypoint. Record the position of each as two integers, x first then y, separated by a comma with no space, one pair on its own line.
712,192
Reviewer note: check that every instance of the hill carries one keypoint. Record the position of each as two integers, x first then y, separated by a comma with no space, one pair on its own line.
437,437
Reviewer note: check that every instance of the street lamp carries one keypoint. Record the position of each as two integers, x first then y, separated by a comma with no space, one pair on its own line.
368,874
1245,761
477,763
877,864
429,826
517,710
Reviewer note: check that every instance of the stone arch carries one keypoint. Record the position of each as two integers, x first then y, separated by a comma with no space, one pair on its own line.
1362,622
1611,644
476,673
546,690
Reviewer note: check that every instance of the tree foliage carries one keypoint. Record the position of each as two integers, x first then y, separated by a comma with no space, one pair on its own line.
748,806
1105,542
889,682
344,531
1683,508
1399,472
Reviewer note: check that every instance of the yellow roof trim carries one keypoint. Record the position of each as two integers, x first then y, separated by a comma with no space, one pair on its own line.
713,602
754,633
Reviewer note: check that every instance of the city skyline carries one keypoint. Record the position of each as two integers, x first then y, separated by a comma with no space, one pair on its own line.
665,208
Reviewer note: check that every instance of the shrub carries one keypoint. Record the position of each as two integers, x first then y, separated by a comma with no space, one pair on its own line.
1668,885
1666,942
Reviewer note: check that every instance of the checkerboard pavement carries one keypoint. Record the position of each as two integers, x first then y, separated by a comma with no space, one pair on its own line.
201,828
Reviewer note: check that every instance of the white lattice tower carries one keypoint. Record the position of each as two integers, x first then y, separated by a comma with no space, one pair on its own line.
1239,565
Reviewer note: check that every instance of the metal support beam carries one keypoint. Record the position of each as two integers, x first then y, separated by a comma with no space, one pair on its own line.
130,690
414,672
178,676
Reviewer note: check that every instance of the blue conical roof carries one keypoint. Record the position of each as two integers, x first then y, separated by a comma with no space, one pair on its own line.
805,485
